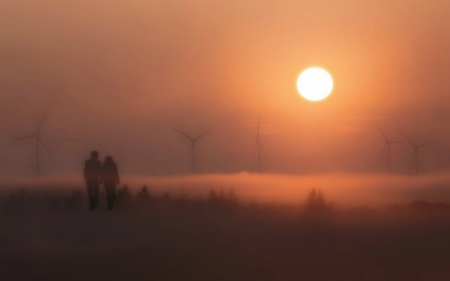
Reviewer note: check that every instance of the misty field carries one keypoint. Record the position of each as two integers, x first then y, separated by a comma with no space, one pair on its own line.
229,227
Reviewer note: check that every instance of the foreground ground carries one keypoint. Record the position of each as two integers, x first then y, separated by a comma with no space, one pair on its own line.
44,236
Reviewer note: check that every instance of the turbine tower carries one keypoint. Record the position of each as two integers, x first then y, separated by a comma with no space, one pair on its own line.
38,141
258,143
193,141
388,145
415,154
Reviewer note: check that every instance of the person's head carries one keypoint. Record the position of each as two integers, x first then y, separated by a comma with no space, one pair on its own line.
94,155
108,160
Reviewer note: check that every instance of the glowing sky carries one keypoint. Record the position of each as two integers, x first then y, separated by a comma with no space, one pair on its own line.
116,75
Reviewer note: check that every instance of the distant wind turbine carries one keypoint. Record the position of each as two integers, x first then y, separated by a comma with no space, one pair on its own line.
38,141
258,143
388,145
415,154
193,141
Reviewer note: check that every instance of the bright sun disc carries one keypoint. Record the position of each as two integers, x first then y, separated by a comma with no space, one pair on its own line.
314,84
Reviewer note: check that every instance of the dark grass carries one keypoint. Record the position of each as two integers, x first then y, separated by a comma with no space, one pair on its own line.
48,235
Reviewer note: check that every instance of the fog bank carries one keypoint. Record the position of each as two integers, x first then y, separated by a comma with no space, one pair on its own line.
343,190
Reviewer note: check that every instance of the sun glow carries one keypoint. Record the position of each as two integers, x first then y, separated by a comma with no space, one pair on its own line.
314,84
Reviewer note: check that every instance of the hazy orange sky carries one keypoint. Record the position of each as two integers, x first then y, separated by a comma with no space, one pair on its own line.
116,75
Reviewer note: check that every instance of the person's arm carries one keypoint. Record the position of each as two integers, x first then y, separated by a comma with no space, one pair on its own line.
85,170
117,176
100,173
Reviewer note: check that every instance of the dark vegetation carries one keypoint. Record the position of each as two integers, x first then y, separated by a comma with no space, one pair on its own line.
50,235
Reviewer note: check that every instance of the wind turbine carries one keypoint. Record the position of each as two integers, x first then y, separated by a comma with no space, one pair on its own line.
193,141
38,141
388,145
415,154
258,143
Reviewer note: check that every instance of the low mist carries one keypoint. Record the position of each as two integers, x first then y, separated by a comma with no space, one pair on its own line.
342,190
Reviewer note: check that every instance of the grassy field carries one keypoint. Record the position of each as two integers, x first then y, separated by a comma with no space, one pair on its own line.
49,234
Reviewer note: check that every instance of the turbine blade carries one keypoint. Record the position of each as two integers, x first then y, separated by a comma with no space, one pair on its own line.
252,146
27,137
381,155
42,122
202,135
384,136
183,134
406,137
395,141
45,147
427,144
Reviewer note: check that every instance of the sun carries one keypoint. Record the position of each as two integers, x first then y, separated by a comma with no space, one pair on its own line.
314,84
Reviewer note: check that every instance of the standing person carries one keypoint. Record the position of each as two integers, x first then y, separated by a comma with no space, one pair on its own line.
92,176
110,177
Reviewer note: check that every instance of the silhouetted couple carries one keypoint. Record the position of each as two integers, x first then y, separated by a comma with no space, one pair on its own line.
95,173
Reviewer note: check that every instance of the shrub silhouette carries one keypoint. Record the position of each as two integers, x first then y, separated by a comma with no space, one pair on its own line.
212,196
216,200
315,201
232,198
143,198
143,193
232,195
221,200
123,196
